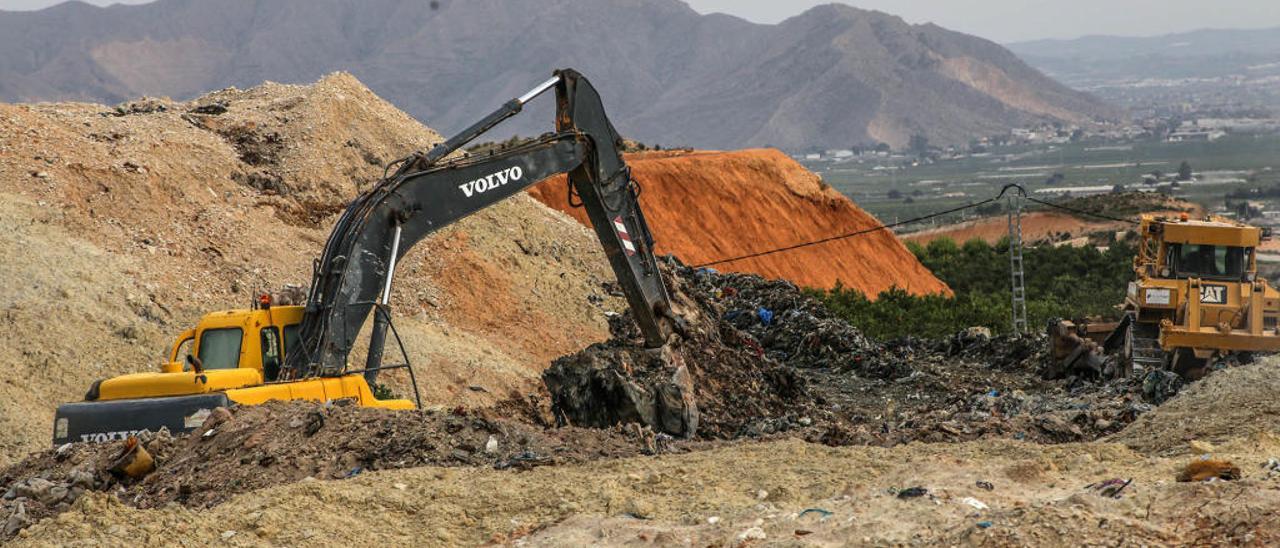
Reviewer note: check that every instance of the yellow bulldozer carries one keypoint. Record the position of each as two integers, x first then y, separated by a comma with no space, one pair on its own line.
1196,296
297,348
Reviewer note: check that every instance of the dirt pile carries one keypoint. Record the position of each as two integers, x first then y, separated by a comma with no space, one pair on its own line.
120,226
707,206
1036,226
1235,401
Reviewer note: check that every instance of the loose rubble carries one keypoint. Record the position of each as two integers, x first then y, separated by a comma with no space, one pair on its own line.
254,447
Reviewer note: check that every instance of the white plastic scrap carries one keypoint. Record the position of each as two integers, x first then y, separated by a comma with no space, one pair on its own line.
754,533
1272,466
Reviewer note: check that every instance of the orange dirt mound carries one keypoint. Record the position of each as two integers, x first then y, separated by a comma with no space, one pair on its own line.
706,206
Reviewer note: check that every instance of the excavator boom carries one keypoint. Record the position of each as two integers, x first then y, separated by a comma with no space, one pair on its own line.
430,191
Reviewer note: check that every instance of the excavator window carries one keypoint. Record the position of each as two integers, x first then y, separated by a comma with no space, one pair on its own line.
271,355
1208,261
220,348
291,336
184,348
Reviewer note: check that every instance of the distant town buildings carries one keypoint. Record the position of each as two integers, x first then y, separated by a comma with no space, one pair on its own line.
1075,190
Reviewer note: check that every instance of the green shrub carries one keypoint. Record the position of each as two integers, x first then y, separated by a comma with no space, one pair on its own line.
1067,282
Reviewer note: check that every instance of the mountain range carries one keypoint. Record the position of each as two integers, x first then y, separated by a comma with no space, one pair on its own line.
831,76
1209,53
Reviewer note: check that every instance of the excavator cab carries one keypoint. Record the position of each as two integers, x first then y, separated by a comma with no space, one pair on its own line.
238,339
225,350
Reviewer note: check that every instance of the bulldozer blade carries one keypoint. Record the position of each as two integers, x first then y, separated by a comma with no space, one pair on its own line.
1083,349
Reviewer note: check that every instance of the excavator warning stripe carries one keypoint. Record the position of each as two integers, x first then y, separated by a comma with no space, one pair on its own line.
622,233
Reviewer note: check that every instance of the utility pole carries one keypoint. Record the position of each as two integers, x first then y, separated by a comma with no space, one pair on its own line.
1017,285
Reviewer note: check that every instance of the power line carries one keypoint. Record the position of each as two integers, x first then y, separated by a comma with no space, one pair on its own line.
1081,211
846,235
1018,188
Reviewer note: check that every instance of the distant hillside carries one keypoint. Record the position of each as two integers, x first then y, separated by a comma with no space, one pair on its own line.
832,76
1198,54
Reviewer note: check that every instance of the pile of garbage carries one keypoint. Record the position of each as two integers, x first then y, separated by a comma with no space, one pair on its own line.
787,325
763,358
49,482
714,382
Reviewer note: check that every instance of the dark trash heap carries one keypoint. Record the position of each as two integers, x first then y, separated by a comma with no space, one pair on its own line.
763,358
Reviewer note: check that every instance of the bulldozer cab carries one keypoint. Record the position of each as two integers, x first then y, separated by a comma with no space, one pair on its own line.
1209,249
1209,261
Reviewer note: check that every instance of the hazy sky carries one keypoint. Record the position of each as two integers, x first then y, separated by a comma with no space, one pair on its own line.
999,20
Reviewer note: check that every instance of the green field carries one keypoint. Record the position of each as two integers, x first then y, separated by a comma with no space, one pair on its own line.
1220,166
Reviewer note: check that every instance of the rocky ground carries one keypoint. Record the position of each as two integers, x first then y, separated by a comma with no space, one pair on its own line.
1002,492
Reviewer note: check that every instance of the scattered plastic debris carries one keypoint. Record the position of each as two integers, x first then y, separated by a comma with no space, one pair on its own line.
1272,467
754,533
822,513
1209,469
912,492
1109,488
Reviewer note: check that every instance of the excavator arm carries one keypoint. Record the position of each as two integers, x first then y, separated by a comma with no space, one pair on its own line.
430,191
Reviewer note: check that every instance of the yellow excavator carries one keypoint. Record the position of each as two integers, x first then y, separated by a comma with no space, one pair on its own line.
1195,296
296,347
